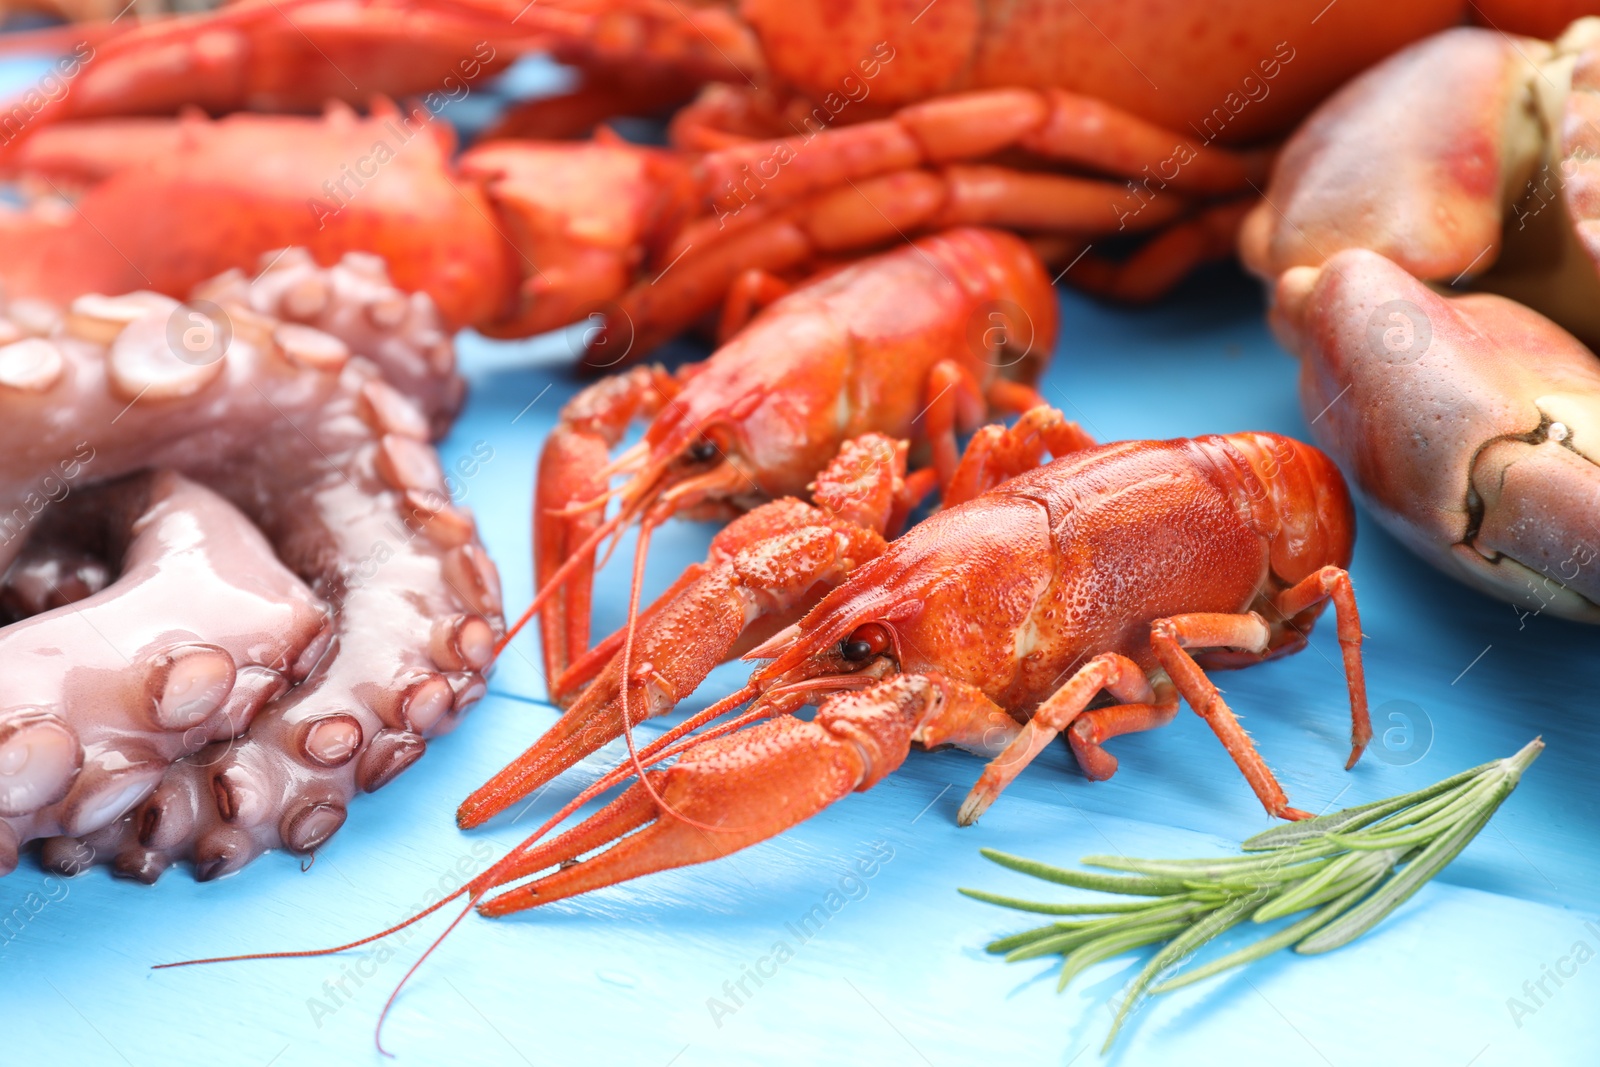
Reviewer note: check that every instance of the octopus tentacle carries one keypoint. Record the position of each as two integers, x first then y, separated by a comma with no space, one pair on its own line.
354,301
315,424
201,626
419,611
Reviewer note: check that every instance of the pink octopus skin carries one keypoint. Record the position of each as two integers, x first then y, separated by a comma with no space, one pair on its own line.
190,565
298,428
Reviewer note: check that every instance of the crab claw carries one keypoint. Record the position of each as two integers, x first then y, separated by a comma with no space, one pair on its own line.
165,205
731,792
1468,157
1416,159
764,570
1471,424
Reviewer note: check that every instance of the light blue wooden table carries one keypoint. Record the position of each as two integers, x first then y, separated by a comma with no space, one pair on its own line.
643,973
649,973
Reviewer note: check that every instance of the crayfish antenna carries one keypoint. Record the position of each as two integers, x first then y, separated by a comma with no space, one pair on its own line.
311,952
510,866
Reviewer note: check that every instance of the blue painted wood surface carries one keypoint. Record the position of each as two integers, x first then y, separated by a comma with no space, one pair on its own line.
649,973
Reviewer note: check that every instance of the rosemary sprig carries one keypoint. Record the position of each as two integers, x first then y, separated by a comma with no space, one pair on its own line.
1353,867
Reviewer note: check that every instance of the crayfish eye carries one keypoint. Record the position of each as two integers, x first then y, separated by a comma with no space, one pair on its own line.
865,641
702,451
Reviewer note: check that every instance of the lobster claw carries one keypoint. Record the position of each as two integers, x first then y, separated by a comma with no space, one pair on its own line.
1471,424
730,792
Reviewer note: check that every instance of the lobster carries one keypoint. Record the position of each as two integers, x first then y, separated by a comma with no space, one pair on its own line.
959,115
917,341
1471,423
517,238
1123,571
295,54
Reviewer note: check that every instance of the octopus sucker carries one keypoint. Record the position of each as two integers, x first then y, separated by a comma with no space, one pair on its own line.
241,492
354,302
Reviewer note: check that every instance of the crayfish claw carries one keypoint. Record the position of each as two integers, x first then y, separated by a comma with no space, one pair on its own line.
730,792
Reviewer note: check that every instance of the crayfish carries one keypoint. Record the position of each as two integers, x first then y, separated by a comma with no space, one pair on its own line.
1081,598
920,341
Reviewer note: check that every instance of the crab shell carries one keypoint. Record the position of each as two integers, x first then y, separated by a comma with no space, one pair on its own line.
1470,423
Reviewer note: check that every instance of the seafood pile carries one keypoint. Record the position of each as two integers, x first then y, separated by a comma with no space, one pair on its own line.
921,341
868,224
228,514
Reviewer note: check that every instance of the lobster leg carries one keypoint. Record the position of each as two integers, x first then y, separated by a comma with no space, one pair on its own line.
1170,638
731,792
678,293
1109,672
1165,259
967,126
702,263
765,568
295,55
604,92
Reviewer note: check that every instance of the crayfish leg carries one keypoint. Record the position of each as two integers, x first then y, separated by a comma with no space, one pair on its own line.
750,292
1091,730
996,453
1171,638
1300,604
1111,672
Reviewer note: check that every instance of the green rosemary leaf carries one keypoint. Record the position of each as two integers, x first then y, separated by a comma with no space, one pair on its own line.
1224,918
1141,887
1271,875
1398,889
1211,868
1041,908
1268,945
1059,944
1113,945
1413,815
1027,937
1085,932
1354,867
1295,833
1425,830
